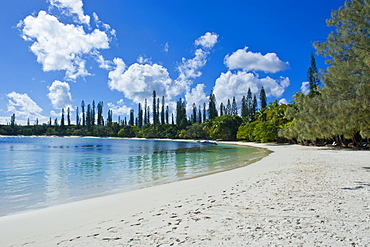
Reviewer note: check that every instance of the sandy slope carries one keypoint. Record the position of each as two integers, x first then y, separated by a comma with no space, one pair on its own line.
297,196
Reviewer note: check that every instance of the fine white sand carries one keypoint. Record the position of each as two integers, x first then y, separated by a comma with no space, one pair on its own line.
296,196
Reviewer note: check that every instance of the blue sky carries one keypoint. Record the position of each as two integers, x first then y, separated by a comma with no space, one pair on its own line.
56,53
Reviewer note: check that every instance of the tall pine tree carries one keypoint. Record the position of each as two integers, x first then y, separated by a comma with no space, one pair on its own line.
110,117
313,76
140,117
88,116
212,111
254,108
250,104
234,108
100,113
62,119
68,116
167,115
155,108
199,115
244,110
228,108
83,113
194,114
263,99
77,117
146,121
181,120
93,113
132,118
162,112
222,109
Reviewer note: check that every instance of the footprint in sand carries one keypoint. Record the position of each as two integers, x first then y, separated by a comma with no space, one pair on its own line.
93,235
109,239
137,224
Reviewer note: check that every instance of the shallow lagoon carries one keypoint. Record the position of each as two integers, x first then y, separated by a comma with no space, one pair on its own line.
37,172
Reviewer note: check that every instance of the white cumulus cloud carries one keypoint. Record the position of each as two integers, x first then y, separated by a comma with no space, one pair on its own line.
189,69
196,96
139,80
56,114
250,61
61,46
101,25
104,64
71,7
283,101
305,87
231,84
59,95
119,108
24,107
208,40
143,59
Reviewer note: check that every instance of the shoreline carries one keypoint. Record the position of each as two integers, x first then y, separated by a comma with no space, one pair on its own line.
243,162
294,196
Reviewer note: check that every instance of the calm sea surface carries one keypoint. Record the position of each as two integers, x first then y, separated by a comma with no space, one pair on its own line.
38,172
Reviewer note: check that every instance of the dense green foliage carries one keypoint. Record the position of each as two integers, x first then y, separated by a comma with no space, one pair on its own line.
265,128
195,131
224,127
339,111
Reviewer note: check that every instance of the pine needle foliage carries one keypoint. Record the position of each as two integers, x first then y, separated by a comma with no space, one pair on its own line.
340,109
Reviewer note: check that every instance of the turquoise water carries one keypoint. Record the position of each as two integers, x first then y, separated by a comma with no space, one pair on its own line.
38,172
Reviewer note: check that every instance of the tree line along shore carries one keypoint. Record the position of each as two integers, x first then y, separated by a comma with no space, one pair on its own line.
336,111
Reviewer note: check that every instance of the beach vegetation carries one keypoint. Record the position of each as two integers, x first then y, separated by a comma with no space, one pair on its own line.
268,121
224,127
128,131
246,132
202,123
195,131
338,112
212,110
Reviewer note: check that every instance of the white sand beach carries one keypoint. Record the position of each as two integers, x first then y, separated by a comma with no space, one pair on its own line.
296,196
